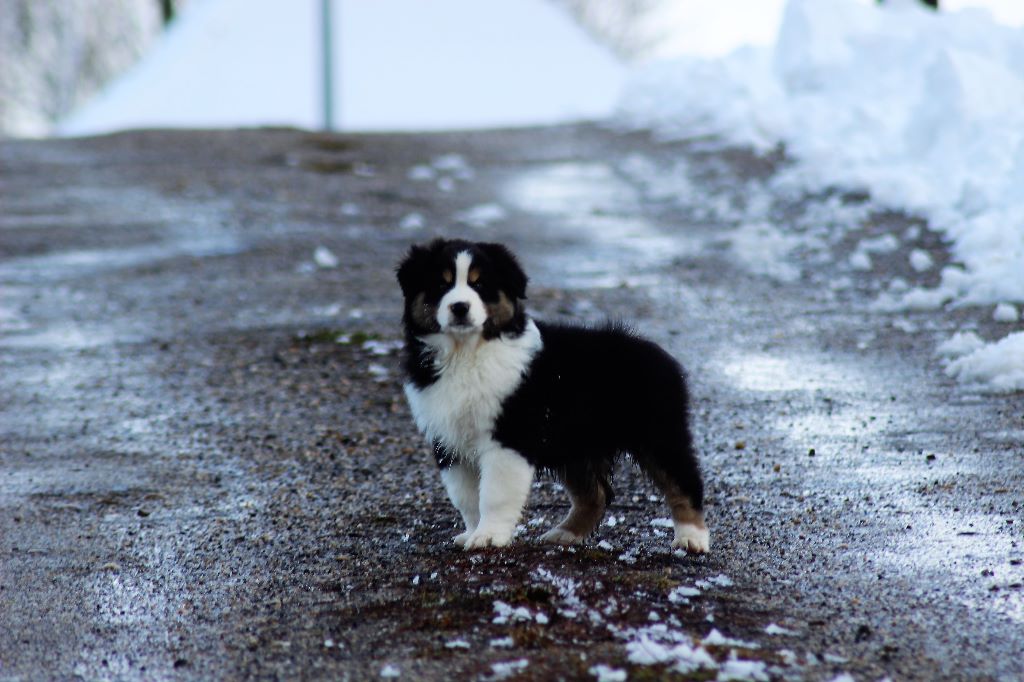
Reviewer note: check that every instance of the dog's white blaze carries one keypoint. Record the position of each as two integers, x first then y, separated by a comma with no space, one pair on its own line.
462,293
474,377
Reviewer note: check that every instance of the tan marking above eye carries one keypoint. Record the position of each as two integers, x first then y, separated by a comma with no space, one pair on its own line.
474,275
448,276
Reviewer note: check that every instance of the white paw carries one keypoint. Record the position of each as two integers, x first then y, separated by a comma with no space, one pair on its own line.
561,536
691,538
461,538
487,538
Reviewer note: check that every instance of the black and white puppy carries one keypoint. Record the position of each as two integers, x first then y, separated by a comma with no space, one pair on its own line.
498,396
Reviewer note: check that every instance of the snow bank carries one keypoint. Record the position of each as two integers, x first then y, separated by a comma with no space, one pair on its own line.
923,109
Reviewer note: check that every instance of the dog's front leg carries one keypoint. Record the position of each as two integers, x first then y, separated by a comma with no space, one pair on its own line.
462,481
505,479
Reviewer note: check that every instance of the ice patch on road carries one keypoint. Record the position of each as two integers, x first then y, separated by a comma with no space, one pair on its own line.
769,373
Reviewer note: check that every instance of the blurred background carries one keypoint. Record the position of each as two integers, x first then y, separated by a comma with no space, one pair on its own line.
92,66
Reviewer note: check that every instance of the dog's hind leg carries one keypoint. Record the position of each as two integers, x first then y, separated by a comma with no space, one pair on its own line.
589,496
678,478
505,478
462,481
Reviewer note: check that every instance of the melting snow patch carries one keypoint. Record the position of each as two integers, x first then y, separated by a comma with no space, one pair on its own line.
664,523
774,629
457,644
482,216
323,258
1005,312
997,366
502,643
682,594
508,668
735,669
921,260
658,645
421,173
382,347
605,673
390,671
378,372
763,250
961,343
720,580
516,614
413,221
716,638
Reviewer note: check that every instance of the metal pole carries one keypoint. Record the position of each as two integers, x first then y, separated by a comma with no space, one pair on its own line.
327,64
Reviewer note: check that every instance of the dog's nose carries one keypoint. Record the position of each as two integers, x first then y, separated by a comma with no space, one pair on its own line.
459,310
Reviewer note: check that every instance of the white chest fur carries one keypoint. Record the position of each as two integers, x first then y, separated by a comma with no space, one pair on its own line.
474,377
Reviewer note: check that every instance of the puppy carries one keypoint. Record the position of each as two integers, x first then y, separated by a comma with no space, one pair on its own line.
500,396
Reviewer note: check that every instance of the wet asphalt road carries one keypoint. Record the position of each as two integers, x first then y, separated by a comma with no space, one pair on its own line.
198,480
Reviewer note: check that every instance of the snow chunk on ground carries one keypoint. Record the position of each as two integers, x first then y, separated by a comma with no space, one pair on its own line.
682,655
959,344
921,260
389,671
605,673
682,594
1005,312
324,258
997,367
735,669
508,668
773,629
716,638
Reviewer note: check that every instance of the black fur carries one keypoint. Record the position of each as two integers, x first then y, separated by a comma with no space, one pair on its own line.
593,394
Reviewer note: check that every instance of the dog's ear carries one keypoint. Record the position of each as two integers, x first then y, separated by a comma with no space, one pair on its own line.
412,269
508,268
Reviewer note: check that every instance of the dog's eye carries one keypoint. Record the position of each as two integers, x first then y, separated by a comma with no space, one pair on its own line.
447,276
474,276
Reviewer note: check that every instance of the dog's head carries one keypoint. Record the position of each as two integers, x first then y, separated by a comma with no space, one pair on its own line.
461,288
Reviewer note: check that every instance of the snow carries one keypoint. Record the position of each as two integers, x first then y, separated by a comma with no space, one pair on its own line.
1005,312
922,109
508,668
682,594
400,64
482,215
773,629
734,669
921,260
389,671
324,257
996,367
605,673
